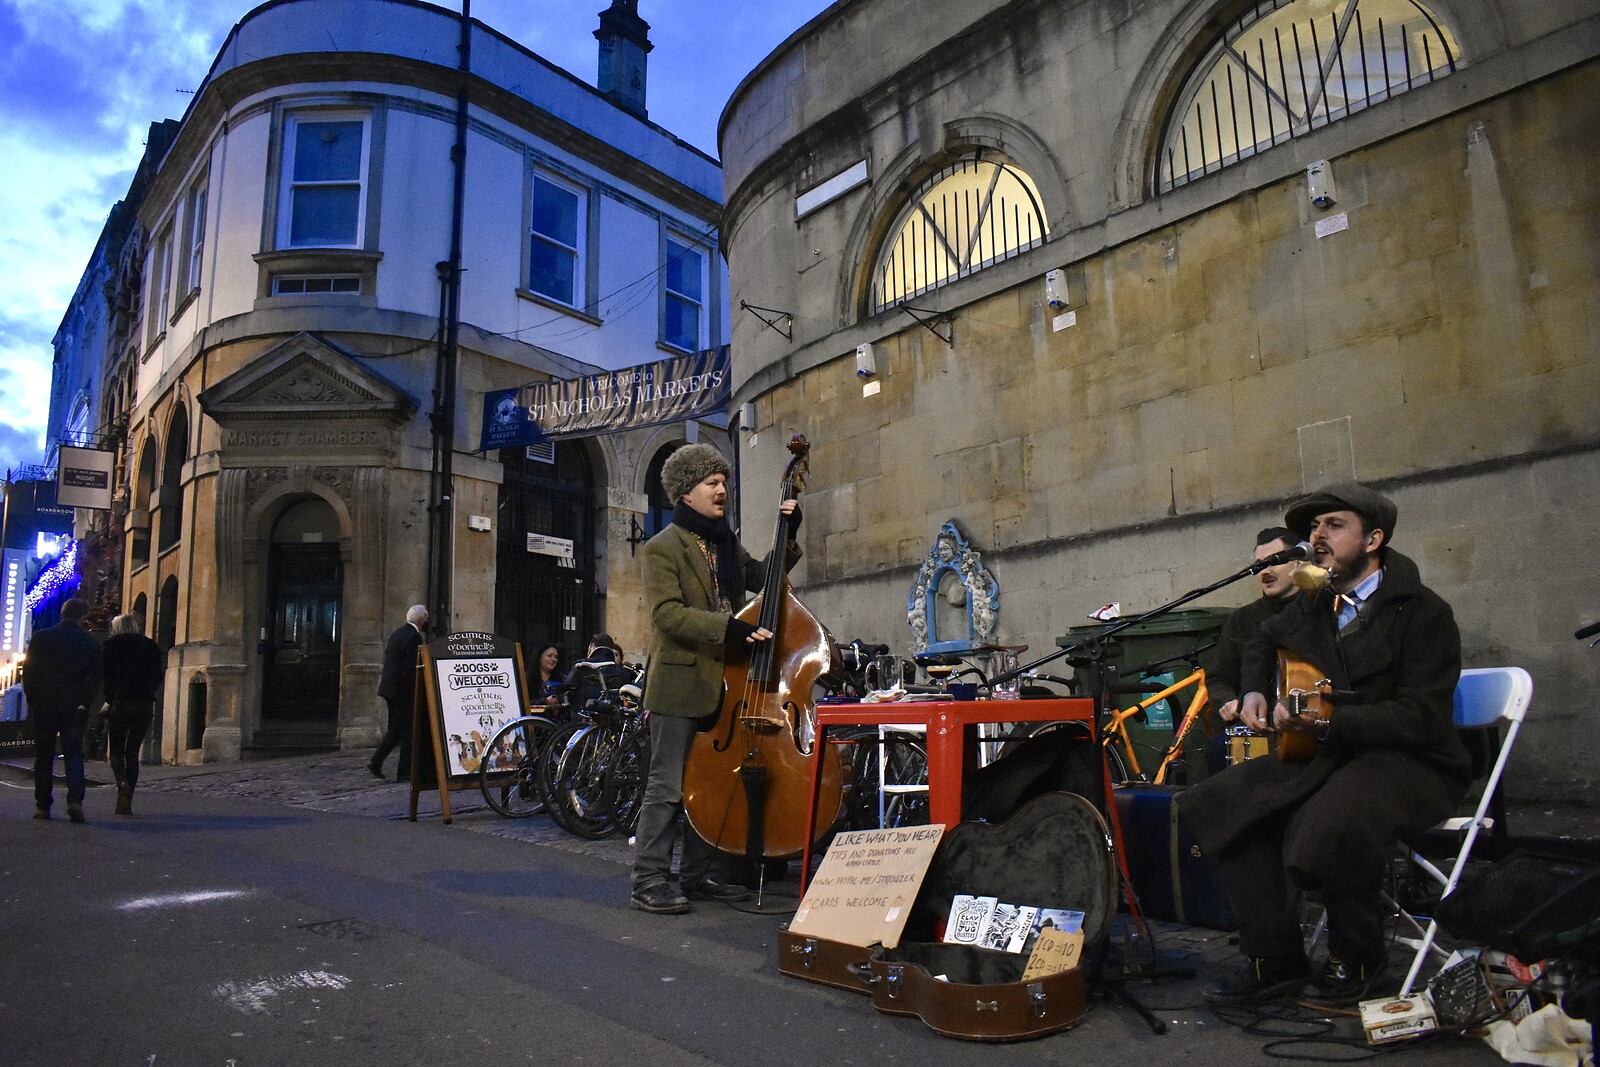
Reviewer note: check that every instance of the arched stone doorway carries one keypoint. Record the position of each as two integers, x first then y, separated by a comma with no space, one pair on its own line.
304,627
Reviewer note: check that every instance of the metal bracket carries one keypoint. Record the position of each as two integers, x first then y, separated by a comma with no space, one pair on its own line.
636,535
933,322
787,329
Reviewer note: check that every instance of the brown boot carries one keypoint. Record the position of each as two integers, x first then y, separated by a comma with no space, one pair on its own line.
124,800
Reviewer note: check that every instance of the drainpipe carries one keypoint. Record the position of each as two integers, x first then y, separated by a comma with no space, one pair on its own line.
442,510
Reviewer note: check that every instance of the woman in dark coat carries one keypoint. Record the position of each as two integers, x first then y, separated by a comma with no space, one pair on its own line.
134,667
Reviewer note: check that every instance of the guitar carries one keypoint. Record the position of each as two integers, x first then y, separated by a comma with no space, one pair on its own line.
1305,691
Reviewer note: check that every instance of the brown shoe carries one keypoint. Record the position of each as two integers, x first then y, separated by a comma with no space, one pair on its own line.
41,813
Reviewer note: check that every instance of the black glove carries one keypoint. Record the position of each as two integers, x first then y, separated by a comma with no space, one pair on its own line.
739,631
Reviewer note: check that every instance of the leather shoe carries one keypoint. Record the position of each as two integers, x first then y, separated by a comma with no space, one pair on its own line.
714,888
1261,981
1342,984
375,770
41,813
75,812
659,899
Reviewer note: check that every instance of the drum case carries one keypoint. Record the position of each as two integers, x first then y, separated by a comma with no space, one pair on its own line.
1172,878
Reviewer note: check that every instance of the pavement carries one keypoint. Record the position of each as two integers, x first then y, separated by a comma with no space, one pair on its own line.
567,883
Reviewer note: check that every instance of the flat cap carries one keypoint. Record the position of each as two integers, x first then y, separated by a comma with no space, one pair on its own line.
1377,509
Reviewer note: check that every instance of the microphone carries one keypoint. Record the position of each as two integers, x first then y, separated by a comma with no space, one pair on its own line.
1298,554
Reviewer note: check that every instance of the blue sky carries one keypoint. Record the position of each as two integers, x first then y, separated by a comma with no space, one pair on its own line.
81,81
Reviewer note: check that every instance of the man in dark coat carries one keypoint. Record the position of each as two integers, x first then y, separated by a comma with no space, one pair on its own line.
134,668
696,574
1225,663
397,686
61,679
1387,761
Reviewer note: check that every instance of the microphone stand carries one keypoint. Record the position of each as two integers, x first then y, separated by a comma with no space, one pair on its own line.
1092,659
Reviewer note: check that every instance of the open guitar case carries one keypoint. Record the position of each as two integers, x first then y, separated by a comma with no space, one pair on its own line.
1055,852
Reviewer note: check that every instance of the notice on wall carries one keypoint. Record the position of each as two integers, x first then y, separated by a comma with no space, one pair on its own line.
863,891
477,689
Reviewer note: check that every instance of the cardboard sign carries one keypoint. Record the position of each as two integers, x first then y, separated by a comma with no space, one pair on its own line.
1054,952
863,891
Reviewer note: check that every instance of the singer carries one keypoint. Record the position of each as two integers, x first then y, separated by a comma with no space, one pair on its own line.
1389,762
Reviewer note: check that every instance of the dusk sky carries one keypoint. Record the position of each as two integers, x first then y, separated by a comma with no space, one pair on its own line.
81,81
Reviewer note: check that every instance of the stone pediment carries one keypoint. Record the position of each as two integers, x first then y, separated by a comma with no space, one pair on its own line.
305,377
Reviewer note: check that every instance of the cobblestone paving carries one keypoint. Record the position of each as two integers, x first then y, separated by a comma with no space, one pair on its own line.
339,782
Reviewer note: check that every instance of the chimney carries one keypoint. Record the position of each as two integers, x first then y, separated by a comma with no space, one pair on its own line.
624,42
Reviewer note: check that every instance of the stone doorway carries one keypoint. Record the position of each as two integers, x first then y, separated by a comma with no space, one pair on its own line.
304,630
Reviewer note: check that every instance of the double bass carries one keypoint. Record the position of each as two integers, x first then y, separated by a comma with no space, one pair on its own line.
747,782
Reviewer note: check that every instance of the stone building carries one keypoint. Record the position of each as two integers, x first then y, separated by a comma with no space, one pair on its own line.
1131,275
281,383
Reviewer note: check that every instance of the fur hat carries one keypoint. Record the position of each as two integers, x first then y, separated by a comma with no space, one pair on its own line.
1377,509
688,467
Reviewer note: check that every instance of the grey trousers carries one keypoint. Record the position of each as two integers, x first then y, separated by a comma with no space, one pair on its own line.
661,820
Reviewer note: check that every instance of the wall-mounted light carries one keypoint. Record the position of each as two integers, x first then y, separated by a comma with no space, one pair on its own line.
1055,288
479,522
866,362
1319,184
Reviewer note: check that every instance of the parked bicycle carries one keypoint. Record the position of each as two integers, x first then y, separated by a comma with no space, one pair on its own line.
592,772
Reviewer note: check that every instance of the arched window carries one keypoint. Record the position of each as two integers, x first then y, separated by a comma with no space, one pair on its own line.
975,212
1287,67
172,479
144,502
660,513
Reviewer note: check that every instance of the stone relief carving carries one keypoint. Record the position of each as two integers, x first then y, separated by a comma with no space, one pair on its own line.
340,479
261,479
951,554
304,387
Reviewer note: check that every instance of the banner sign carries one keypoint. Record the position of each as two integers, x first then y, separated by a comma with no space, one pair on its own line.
689,386
84,478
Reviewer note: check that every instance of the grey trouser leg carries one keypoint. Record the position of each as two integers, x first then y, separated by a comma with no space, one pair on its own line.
670,738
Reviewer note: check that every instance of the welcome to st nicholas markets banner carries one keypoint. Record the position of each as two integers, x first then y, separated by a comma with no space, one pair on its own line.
668,390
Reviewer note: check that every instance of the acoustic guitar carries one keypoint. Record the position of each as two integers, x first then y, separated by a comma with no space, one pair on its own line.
1304,690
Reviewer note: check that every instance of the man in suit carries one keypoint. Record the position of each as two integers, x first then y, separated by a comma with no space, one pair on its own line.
1387,761
696,574
396,686
61,679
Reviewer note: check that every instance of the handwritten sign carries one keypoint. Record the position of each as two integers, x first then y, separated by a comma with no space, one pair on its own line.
1054,952
863,891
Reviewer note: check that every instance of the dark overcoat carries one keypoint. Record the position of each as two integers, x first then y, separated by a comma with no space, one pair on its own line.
1401,660
62,669
398,680
135,667
1225,662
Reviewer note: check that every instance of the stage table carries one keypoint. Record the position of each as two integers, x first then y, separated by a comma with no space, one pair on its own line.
946,723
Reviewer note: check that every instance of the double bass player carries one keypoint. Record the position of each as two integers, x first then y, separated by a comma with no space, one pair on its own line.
696,575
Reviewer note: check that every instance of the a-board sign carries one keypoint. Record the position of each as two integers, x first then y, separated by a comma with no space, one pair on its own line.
469,685
863,891
476,687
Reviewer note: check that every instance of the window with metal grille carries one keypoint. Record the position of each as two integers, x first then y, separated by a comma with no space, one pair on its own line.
974,213
1287,67
297,284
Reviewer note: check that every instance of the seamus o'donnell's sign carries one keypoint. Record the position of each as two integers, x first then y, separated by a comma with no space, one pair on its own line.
668,390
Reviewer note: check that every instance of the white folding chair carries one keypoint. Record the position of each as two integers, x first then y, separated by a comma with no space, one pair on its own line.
1485,696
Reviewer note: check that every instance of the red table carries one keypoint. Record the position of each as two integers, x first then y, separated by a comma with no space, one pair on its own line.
946,722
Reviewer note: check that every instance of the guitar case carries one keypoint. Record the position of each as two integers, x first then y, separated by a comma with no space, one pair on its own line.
1054,853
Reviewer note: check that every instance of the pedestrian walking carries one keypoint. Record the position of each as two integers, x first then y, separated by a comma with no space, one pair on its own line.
61,679
134,668
397,687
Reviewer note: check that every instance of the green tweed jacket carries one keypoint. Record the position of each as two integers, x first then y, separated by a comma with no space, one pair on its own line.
686,646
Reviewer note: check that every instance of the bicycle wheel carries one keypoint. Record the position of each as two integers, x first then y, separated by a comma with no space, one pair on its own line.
579,800
629,774
507,776
548,770
905,782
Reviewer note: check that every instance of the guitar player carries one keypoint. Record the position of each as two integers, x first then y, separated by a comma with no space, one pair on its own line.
1387,760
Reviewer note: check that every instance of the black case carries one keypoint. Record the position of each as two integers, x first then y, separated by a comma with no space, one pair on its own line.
1055,852
1173,879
